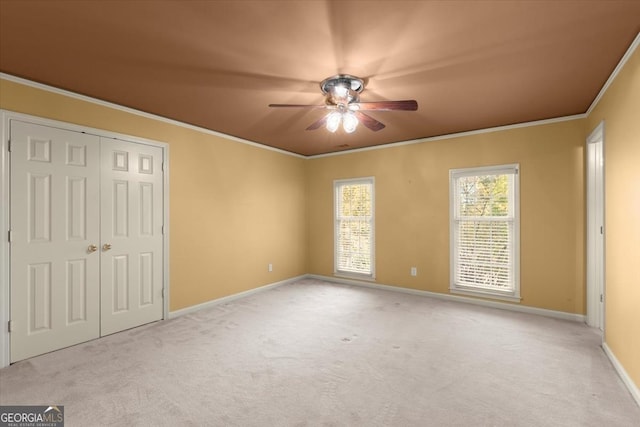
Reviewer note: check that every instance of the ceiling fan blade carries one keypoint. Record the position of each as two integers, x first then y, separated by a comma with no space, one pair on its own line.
369,121
318,123
405,105
298,105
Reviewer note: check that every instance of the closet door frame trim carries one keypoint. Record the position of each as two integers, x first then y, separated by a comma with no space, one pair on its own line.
5,302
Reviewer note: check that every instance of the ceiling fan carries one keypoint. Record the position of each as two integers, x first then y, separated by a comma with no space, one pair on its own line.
342,98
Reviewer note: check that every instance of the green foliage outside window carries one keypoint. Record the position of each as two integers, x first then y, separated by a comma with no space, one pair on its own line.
354,232
484,231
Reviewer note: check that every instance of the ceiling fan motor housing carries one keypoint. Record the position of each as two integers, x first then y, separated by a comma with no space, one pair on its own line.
342,89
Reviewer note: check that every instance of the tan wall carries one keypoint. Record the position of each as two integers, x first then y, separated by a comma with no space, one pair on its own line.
412,208
620,110
234,208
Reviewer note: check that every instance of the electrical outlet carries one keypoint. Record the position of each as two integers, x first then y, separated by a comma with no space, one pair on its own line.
270,267
414,271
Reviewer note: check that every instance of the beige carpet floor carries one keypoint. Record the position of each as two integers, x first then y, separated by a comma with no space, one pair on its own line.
313,353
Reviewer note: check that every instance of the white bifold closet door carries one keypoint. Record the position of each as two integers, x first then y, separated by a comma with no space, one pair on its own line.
55,214
131,231
86,237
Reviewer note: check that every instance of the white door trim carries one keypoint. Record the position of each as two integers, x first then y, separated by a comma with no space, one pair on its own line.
5,118
4,241
595,233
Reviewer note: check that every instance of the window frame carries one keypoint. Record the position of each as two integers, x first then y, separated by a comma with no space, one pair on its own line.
336,228
513,294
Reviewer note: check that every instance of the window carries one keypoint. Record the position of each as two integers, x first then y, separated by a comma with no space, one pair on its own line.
485,231
354,237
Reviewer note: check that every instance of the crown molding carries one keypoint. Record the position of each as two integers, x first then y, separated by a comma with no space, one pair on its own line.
144,114
455,135
614,74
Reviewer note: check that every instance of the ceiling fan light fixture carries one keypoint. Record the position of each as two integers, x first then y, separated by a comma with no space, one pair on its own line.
342,96
349,122
333,121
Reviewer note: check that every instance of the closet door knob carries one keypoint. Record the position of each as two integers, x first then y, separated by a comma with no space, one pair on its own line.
92,248
106,246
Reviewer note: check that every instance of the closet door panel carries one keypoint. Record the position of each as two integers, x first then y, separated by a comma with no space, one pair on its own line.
54,208
131,230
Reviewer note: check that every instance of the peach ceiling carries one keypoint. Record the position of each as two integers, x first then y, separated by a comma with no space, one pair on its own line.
218,64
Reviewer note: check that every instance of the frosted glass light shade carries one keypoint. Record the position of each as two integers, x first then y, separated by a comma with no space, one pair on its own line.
333,121
349,122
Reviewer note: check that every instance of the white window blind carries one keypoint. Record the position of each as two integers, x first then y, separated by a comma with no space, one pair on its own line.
485,230
354,227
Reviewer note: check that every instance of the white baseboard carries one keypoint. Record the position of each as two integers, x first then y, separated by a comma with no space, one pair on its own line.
198,307
633,388
486,303
344,281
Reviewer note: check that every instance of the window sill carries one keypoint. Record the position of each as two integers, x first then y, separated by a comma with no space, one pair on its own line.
487,294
